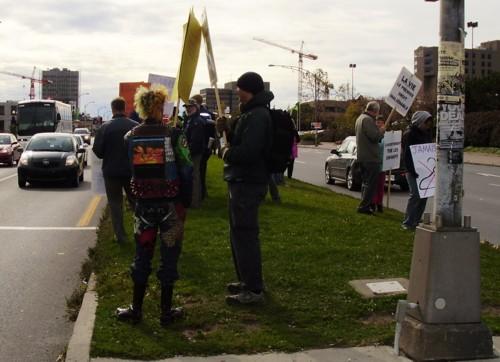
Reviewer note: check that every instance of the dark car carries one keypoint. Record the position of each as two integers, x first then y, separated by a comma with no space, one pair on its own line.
82,144
85,133
10,149
51,157
342,166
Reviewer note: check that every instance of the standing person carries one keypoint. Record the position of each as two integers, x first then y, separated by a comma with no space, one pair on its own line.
378,197
108,145
418,133
161,182
367,139
295,153
194,129
247,176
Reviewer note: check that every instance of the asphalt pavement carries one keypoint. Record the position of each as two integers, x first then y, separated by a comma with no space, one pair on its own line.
481,187
45,233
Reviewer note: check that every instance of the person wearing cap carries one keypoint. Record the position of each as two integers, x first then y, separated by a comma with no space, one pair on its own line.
246,172
194,130
368,136
419,132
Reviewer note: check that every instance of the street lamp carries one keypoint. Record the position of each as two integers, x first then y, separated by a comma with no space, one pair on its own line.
352,66
472,24
85,106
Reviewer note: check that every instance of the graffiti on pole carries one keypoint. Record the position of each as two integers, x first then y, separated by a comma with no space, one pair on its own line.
451,125
451,82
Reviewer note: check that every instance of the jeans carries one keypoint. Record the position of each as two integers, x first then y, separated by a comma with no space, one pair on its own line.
369,178
197,192
114,192
273,188
416,206
244,201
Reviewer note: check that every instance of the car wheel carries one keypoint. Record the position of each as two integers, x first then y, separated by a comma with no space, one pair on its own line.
328,179
352,184
75,182
404,186
81,177
12,161
21,182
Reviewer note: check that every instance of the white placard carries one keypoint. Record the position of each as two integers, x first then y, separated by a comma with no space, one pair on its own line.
404,92
392,150
392,286
97,177
424,160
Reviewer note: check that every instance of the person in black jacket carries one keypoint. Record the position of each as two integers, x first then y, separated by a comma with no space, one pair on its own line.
418,133
108,145
247,176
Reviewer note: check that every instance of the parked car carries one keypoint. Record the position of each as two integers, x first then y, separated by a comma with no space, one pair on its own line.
10,149
85,133
82,144
343,166
51,157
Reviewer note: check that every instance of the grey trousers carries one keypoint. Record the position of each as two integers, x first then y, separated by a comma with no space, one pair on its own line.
114,192
369,178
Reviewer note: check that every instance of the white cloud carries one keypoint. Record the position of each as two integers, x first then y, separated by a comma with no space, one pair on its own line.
124,40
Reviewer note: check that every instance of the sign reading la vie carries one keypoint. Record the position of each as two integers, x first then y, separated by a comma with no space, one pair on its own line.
404,92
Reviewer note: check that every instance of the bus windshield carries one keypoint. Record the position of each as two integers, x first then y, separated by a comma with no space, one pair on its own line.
36,118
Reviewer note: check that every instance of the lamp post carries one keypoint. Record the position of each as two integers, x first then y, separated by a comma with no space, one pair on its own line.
352,66
472,25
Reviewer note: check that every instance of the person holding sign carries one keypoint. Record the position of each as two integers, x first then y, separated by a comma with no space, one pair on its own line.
418,133
368,136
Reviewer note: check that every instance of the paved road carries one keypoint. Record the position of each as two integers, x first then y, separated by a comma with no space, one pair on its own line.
40,263
481,184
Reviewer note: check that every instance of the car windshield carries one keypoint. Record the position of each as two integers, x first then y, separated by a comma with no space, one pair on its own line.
34,119
4,140
81,131
55,144
343,147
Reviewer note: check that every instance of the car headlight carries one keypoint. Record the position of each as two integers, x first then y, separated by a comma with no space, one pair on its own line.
24,159
71,160
6,150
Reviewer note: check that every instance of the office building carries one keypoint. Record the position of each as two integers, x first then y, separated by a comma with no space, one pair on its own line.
8,110
64,86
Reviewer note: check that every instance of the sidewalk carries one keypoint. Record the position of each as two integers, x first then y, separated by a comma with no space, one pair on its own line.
473,158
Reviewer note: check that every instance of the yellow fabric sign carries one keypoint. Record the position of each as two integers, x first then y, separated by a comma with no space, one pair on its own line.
189,59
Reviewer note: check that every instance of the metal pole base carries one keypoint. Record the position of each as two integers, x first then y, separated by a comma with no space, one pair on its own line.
449,342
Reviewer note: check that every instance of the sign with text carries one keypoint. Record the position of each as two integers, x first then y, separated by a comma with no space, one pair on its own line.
316,125
392,150
404,92
451,125
424,159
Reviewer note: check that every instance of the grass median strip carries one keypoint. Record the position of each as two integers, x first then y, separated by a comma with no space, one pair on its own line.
313,244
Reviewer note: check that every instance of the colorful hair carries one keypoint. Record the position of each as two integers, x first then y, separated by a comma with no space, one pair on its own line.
148,102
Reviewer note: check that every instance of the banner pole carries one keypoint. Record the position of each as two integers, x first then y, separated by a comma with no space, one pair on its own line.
176,113
220,110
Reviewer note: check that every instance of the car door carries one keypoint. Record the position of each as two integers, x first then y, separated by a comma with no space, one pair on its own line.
337,164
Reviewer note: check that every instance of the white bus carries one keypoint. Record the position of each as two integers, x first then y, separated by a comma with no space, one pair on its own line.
36,116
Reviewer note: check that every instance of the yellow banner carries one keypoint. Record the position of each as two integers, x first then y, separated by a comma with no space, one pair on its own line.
189,59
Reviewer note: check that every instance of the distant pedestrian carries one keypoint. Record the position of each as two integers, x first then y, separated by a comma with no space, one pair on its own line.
247,176
378,197
295,153
194,129
368,136
419,132
109,146
161,183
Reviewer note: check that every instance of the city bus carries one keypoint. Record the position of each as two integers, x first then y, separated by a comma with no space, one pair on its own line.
36,116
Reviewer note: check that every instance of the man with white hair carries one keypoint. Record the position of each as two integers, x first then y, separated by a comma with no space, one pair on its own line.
368,136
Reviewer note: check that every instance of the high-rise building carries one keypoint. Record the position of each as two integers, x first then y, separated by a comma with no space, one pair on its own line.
7,111
479,63
64,86
127,91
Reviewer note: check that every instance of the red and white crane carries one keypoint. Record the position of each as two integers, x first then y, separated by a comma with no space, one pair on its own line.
32,80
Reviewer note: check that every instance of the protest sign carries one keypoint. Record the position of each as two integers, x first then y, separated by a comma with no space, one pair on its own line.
403,92
392,150
424,160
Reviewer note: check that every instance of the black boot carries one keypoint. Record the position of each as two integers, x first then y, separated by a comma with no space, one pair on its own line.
168,315
134,312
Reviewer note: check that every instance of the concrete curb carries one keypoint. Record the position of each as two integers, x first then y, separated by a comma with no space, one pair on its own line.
79,344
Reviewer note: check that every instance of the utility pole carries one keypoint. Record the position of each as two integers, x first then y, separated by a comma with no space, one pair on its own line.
352,66
445,269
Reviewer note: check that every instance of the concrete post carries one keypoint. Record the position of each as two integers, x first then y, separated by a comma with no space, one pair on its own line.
446,325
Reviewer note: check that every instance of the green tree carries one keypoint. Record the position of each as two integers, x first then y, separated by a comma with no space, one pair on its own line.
483,94
344,125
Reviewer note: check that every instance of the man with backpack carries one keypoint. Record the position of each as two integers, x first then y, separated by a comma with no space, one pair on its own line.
246,170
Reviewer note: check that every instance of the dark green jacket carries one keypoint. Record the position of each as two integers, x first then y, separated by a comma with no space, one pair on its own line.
250,142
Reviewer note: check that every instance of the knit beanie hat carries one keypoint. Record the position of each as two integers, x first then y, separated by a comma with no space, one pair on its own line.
251,82
420,117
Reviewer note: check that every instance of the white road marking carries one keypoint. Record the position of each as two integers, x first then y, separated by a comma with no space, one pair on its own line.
302,162
497,185
488,174
8,177
45,228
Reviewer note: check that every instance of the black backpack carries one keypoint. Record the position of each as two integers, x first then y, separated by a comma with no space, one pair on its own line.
282,140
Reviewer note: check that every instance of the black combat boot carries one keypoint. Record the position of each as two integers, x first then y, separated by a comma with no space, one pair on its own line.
134,312
168,315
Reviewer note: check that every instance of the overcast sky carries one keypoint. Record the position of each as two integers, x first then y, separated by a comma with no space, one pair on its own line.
110,41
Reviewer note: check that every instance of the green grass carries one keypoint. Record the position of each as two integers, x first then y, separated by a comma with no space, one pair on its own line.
312,245
490,150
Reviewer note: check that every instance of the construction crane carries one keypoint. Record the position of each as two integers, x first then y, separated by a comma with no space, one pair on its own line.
32,80
302,55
